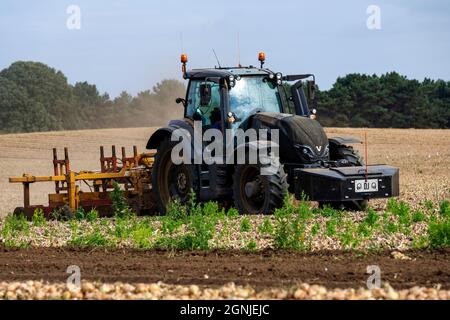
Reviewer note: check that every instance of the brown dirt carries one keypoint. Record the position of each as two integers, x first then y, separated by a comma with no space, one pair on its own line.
214,268
422,155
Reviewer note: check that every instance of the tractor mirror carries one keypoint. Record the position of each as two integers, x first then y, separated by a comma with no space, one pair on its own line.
311,90
181,100
205,94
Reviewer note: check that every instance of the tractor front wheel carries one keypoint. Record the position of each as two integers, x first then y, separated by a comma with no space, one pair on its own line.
256,191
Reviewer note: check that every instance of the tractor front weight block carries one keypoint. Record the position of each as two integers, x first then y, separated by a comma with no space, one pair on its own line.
346,183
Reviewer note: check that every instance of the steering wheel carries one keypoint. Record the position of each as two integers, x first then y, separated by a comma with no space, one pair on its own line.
245,113
256,110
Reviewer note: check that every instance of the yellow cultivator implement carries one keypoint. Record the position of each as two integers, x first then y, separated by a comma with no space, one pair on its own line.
133,174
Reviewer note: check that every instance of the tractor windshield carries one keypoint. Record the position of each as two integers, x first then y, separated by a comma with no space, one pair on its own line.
254,94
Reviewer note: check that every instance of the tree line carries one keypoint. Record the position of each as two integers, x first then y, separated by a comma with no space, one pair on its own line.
387,101
35,97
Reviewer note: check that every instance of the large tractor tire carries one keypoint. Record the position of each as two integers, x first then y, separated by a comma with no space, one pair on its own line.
170,181
348,157
254,193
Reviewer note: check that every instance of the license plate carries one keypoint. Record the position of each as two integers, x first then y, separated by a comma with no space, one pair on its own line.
369,185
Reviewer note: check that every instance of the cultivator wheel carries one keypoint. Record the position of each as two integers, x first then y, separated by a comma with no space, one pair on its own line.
19,211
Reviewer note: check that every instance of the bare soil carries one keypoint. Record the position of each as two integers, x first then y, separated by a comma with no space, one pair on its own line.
422,155
334,269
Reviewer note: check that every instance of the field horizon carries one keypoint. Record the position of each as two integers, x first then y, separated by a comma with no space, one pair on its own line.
423,156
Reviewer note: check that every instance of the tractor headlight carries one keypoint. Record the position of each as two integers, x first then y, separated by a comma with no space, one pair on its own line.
327,151
271,76
305,150
232,79
279,78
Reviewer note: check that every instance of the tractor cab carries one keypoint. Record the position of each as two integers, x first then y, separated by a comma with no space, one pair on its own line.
225,98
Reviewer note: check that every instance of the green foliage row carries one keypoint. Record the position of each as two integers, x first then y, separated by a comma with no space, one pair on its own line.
192,226
291,220
200,221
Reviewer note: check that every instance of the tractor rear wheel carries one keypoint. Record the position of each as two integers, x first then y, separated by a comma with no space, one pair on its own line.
170,181
347,157
256,193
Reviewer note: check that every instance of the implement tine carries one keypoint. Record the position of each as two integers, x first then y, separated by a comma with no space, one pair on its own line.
55,168
102,159
66,160
55,162
114,158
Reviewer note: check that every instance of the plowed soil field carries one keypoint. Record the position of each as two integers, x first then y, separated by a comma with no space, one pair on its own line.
422,155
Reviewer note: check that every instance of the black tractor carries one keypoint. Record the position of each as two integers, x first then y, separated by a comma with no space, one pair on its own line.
308,164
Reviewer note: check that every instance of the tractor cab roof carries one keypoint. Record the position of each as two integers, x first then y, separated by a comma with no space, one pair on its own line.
226,72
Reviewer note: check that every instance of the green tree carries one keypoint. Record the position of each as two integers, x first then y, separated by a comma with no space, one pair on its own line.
389,100
35,97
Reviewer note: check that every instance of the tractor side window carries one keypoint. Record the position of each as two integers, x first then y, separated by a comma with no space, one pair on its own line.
193,96
209,114
288,104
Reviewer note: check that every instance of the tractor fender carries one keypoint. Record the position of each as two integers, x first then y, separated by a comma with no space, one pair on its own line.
343,140
336,141
162,133
185,133
158,136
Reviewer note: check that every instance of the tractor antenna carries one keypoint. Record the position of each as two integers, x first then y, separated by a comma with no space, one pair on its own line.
181,42
218,62
365,151
239,50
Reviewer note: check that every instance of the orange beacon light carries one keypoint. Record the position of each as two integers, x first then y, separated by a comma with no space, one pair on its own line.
262,58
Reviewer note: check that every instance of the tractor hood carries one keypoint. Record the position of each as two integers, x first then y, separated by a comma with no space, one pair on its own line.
301,139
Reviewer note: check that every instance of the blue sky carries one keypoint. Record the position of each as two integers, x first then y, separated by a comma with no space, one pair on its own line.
131,45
